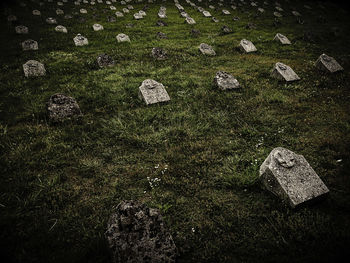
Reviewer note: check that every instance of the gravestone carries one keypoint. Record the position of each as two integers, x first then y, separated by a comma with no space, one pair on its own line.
296,13
97,27
33,68
111,19
161,23
119,14
143,13
328,64
138,16
80,40
59,12
261,10
21,29
206,14
122,38
215,20
195,32
226,12
190,21
290,177
276,14
83,11
30,44
279,8
226,30
129,25
112,8
11,18
206,49
130,7
68,16
51,20
136,233
283,72
61,107
250,26
247,46
225,81
162,14
159,53
61,29
152,92
161,35
125,10
36,13
104,60
282,39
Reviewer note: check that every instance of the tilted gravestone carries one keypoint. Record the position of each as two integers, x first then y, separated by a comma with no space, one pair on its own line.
206,14
247,46
159,53
136,233
226,30
33,68
104,60
277,14
282,39
125,10
226,12
161,23
138,16
215,20
290,177
283,72
122,38
21,29
152,92
61,29
190,20
80,40
296,13
97,27
225,81
328,64
30,44
61,107
206,49
51,20
161,35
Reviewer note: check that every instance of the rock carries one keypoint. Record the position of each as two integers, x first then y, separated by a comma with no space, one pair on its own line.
247,46
282,39
104,60
283,72
61,107
30,44
290,177
97,27
225,81
122,38
195,32
190,20
51,20
136,233
159,53
152,92
161,23
80,40
33,68
161,35
61,29
21,29
206,49
328,64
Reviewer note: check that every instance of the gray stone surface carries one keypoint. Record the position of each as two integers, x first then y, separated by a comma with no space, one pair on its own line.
61,29
206,49
61,107
328,64
247,46
104,60
80,40
136,233
152,92
282,39
290,177
21,29
33,68
122,38
159,53
225,81
30,44
83,11
283,72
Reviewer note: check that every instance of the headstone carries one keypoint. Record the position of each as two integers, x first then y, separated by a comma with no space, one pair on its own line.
83,11
138,16
206,49
226,12
261,10
190,20
11,18
33,68
30,44
104,60
236,18
51,20
215,20
130,7
152,92
225,81
276,14
296,13
226,30
61,107
328,64
129,25
136,233
122,38
279,8
282,39
80,40
290,177
119,14
143,13
161,35
206,14
36,13
283,72
161,23
97,27
247,46
112,7
250,26
195,32
59,12
162,14
61,29
111,19
68,16
159,53
125,10
21,29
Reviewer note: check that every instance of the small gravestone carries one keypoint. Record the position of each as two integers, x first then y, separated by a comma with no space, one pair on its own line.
261,10
61,107
59,3
290,177
130,7
161,23
59,12
226,30
282,39
104,60
61,29
97,27
138,16
206,14
83,11
33,68
11,18
68,17
276,14
247,46
143,13
226,12
159,53
51,20
250,26
161,35
21,29
206,49
80,40
129,25
236,18
30,44
225,81
184,14
296,13
122,38
119,14
36,13
190,20
152,92
112,8
136,233
215,20
328,64
125,10
279,8
283,72
111,19
162,14
195,32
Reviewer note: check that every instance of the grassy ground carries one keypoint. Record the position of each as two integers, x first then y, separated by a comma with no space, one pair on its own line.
60,182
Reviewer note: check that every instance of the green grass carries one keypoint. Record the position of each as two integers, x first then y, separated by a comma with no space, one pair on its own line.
59,182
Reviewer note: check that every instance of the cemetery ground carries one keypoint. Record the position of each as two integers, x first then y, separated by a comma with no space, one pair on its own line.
196,157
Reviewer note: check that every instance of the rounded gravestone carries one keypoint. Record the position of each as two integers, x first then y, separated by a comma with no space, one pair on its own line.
104,60
225,81
33,68
61,107
122,38
30,44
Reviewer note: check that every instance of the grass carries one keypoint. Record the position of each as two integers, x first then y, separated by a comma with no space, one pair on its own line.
60,182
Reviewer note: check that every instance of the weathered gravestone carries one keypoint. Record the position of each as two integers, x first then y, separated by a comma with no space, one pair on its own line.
161,23
59,12
112,8
138,16
283,72
83,11
206,14
290,177
161,35
195,32
21,29
206,49
247,46
61,29
11,18
159,53
296,13
190,20
30,44
119,14
215,20
125,10
51,20
328,64
225,81
122,38
226,30
80,40
36,13
97,27
143,13
111,19
61,107
282,39
104,60
226,12
136,233
152,92
276,14
33,68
